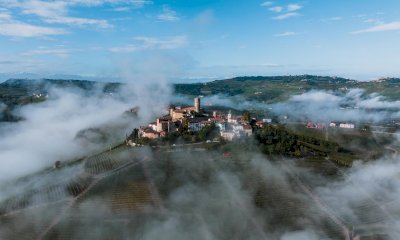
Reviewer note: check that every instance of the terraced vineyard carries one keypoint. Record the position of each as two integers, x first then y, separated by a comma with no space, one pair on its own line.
70,193
369,216
121,193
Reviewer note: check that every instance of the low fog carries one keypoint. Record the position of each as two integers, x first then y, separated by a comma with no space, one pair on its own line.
355,105
188,193
300,203
49,129
72,123
199,195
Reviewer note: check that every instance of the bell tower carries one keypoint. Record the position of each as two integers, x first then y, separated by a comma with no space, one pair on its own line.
197,104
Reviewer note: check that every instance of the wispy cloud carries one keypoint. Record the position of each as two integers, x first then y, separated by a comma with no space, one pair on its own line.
244,66
59,52
144,43
168,15
140,3
374,21
332,19
276,9
294,7
134,3
267,4
285,12
7,62
56,11
5,16
287,15
393,26
121,9
335,18
79,21
285,34
13,28
20,29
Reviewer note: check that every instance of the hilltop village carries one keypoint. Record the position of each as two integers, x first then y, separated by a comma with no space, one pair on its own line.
194,119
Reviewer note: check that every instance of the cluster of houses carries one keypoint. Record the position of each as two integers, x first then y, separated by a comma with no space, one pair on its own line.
40,95
332,125
194,119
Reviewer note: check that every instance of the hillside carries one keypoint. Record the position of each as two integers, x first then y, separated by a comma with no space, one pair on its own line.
265,89
278,88
16,92
16,88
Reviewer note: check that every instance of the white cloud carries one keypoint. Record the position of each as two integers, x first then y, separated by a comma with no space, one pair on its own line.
59,52
294,7
266,4
168,15
167,43
374,21
79,21
122,9
286,16
276,9
43,9
290,11
13,28
393,26
55,12
285,34
335,18
143,43
135,3
23,30
140,3
127,48
5,16
77,112
332,19
316,96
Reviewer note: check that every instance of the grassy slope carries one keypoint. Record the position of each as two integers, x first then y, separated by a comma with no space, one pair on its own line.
268,89
274,89
16,92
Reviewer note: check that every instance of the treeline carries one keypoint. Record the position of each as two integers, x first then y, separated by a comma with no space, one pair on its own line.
279,140
272,86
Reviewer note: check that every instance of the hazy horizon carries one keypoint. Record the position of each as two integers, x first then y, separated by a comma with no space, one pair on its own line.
188,80
201,39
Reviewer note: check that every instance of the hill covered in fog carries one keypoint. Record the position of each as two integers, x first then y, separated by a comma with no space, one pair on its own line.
15,92
277,88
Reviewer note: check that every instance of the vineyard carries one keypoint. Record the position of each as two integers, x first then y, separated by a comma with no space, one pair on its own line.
117,174
119,193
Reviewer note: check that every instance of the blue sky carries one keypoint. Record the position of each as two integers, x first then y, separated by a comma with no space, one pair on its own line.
200,39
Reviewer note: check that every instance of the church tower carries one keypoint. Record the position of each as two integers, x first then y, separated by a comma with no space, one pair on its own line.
197,104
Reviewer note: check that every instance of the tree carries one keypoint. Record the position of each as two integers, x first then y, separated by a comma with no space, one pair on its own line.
247,116
206,132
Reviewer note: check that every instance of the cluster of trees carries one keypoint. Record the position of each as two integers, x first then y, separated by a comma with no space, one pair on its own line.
278,140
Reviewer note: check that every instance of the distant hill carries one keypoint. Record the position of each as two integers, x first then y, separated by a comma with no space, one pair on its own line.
278,88
14,89
16,92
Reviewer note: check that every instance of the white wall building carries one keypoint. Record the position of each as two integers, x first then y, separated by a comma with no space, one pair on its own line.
197,126
227,135
347,125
